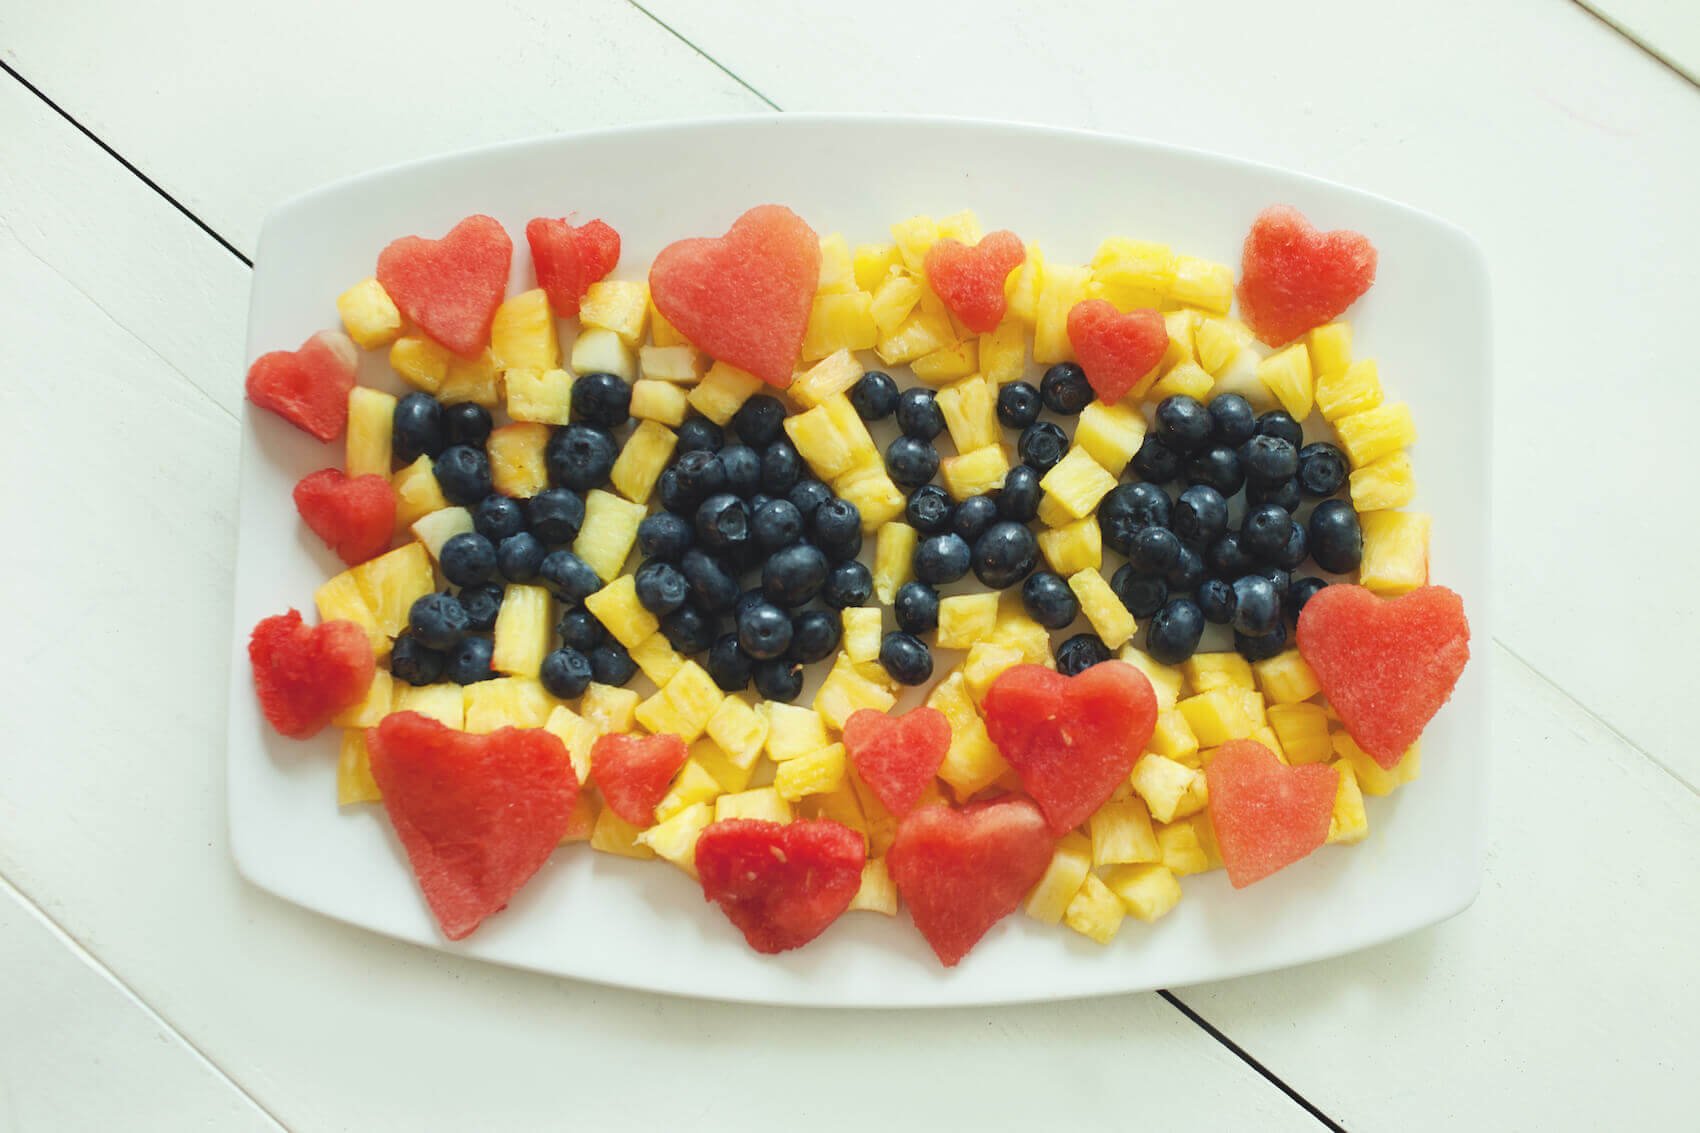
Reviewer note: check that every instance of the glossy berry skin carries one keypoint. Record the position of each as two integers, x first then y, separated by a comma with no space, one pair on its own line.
916,606
1156,462
1233,421
837,526
1142,594
1175,631
808,495
1268,459
580,457
1281,580
467,424
698,434
1128,508
1227,559
743,470
794,575
1048,600
941,559
1004,555
760,420
566,673
469,661
415,662
1200,515
728,664
1065,390
847,584
759,501
661,588
1257,608
1302,590
497,517
776,524
467,559
1183,424
929,510
690,630
764,631
1217,466
463,473
779,680
1263,532
437,620
579,629
1189,570
906,658
918,414
973,516
1041,446
1262,648
672,496
698,475
1216,601
1336,538
1296,549
1154,550
1019,404
722,524
482,604
603,400
748,601
1322,469
1280,423
568,577
1284,494
911,462
1080,653
814,636
610,664
555,515
518,557
1018,499
781,467
665,536
417,428
713,587
874,396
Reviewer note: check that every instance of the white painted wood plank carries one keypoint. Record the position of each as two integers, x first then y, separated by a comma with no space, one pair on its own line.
1669,29
77,1051
119,829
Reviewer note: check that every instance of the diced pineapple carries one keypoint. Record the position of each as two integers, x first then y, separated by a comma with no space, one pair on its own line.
369,315
863,629
1286,679
610,529
1172,738
506,702
894,554
674,838
836,272
1375,433
371,709
1052,513
661,402
893,302
839,322
871,264
1395,558
619,305
371,414
975,473
722,390
1017,631
444,703
919,335
1023,286
846,691
834,374
914,237
662,332
819,442
609,710
711,757
878,894
1108,617
677,365
614,835
422,363
970,409
985,661
1373,778
523,333
576,734
850,426
739,732
658,716
792,730
1266,736
1095,913
1302,732
1330,348
694,697
617,607
1073,548
438,527
1356,389
1145,891
1203,284
1186,379
598,350
1286,374
640,463
1219,341
1137,268
817,773
656,658
581,820
517,467
1071,861
1349,822
392,582
1163,784
417,493
948,364
877,499
471,379
1003,353
338,598
1384,484
524,630
966,618
1063,286
762,803
1251,705
963,227
1110,435
1216,717
972,763
1166,680
1205,671
1121,833
878,824
1182,849
1182,328
839,805
693,785
354,782
543,396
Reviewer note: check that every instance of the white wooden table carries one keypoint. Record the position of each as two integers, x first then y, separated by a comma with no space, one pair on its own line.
143,986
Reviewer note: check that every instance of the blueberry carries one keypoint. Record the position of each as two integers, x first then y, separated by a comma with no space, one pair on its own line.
568,577
603,400
689,630
847,584
467,559
1296,549
566,673
874,396
1257,608
1065,390
580,457
929,510
1227,559
906,658
1200,515
519,556
1154,550
728,664
1041,445
1005,554
1217,466
781,467
665,536
417,428
1262,648
698,434
1336,539
1263,532
555,515
764,631
1281,580
911,461
794,575
1216,601
437,620
469,661
807,496
415,662
973,516
1048,599
722,523
580,630
1175,631
1284,494
1279,423
1018,404
1156,462
748,601
1079,653
918,414
661,589
713,587
467,424
776,524
760,421
610,664
463,473
1128,508
672,494
700,475
838,529
1300,592
814,636
1268,459
482,604
1322,469
743,470
1232,419
940,559
1183,424
497,517
779,680
917,608
1189,570
1143,594
1018,499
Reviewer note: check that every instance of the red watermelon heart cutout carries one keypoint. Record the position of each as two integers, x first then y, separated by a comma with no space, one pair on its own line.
304,675
1294,278
450,288
780,885
897,756
354,515
1118,352
970,280
308,386
569,258
1265,814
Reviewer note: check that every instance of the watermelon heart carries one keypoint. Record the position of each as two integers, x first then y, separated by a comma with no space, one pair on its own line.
451,287
569,259
634,772
1117,351
1294,278
970,280
355,517
1266,815
305,675
1385,664
1072,740
743,298
962,871
897,756
781,885
477,814
308,387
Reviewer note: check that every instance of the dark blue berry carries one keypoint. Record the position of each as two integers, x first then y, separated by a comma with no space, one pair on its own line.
776,524
1227,559
917,608
467,559
911,461
1175,631
779,680
580,457
482,604
847,584
665,536
1081,652
1189,570
417,428
1156,462
1296,549
437,620
728,664
906,658
874,396
1183,424
610,664
837,525
1004,554
566,673
1143,594
497,517
1154,550
1322,469
1127,509
580,630
1200,515
1065,390
661,588
555,515
1284,494
700,475
1263,532
814,636
1268,459
568,577
941,559
690,630
722,523
463,473
1018,499
973,516
1019,404
469,661
1281,580
807,496
918,414
1279,423
1041,445
764,631
1262,648
713,587
792,576
743,469
1336,538
760,421
929,510
467,424
672,495
781,467
1302,591
1217,466
519,556
748,601
1216,601
603,400
1257,608
698,434
415,662
1233,420
1048,600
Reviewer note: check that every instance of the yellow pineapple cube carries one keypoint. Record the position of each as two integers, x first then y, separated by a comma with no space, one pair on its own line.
966,618
1166,680
1187,379
611,711
417,493
839,322
1302,732
640,463
444,703
617,607
1145,891
1286,374
598,350
1205,671
712,758
970,409
817,773
871,264
506,702
894,554
1267,737
836,271
1330,348
694,785
1286,679
392,582
609,531
433,529
1110,435
1076,547
1135,267
846,691
879,827
877,499
1355,389
914,237
1375,433
354,782
974,473
1374,779
662,332
1109,619
1395,557
878,894
1216,717
850,426
1052,513
1095,912
972,763
694,697
1251,704
1182,328
678,365
986,660
761,803
619,305
893,301
576,734
371,709
1062,287
523,333
1023,286
371,414
834,374
661,402
739,733
1172,738
517,466
1015,630
674,838
1003,353
948,364
1203,284
658,716
919,335
792,730
524,630
1071,861
581,820
614,835
656,658
422,363
1121,833
722,391
1219,341
1349,822
338,598
1163,784
471,379
369,315
963,227
1182,849
862,633
1384,484
543,396
819,442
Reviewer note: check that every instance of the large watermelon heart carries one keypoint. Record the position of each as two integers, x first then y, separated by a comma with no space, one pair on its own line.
1117,351
970,280
355,516
1386,665
477,814
781,885
451,287
569,258
1294,278
633,772
897,756
308,386
305,675
1266,815
1072,740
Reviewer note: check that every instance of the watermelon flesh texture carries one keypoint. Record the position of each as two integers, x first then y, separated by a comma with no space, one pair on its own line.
780,885
355,516
451,287
897,757
1266,815
634,772
569,258
304,675
308,386
1294,278
969,280
1116,350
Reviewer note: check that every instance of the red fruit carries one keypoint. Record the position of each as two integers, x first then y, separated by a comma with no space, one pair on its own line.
1385,664
1114,349
1072,740
354,517
1294,278
781,885
969,280
451,287
1266,815
308,387
897,756
477,814
744,297
635,771
305,675
962,871
569,259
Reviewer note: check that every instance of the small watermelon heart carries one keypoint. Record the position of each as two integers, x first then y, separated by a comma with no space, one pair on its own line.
354,516
961,871
743,298
305,675
1266,815
897,757
1294,278
1386,665
781,885
1072,740
308,387
635,771
477,814
970,280
1117,351
451,287
569,259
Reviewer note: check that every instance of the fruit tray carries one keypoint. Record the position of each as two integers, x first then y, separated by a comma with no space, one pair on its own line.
612,918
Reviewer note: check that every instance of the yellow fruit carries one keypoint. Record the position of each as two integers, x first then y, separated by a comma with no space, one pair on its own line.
619,305
834,374
544,396
1165,680
914,237
877,499
614,835
1071,861
1302,731
609,531
985,661
1374,779
919,335
1286,679
576,734
371,709
974,473
1203,284
1395,557
581,820
819,442
417,493
369,315
1172,738
1385,484
970,410
694,698
973,762
894,553
1182,328
444,703
370,415
840,322
679,364
640,463
1063,286
435,528
1216,717
871,264
506,702
1163,784
523,333
712,758
517,467
965,619
524,631
392,582
338,598
1286,374
1110,434
1187,379
792,730
661,402
739,732
422,363
1095,913
862,632
1135,266
1349,822
878,894
1330,349
600,350
1109,619
963,227
1121,833
1181,848
608,709
1205,671
1076,547
1015,630
722,390
817,773
948,364
662,332
1355,389
471,379
1145,891
656,658
1003,353
617,607
892,303
1219,341
674,838
763,803
1375,433
1077,483
846,691
354,782
836,272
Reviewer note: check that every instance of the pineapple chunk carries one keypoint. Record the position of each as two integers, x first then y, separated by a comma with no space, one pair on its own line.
722,390
1267,737
1076,547
711,757
1187,379
576,734
417,493
1145,891
1182,328
871,264
1052,513
619,305
878,824
1015,630
422,363
1121,833
862,631
893,302
1216,717
1062,287
610,529
614,835
679,364
1071,861
970,409
792,730
640,463
836,270
878,894
444,703
762,803
1251,705
1182,849
523,333
674,839
947,364
373,707
1172,738
662,332
693,785
846,691
354,782
617,607
369,315
694,697
973,762
524,630
1205,671
915,237
517,467
894,553
609,710
1108,617
1286,374
338,598
919,335
1375,433
1165,679
832,375
1023,287
966,618
1301,730
1395,557
986,660
661,402
471,379
817,773
849,424
1384,484
877,499
581,820
392,582
739,733
1219,341
1330,349
438,527
1110,435
656,658
975,473
598,350
819,442
840,322
1203,284
1003,353
1095,913
1349,822
963,227
1137,268
1342,393
371,414
1374,779
1163,784
543,396
516,702
1286,679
